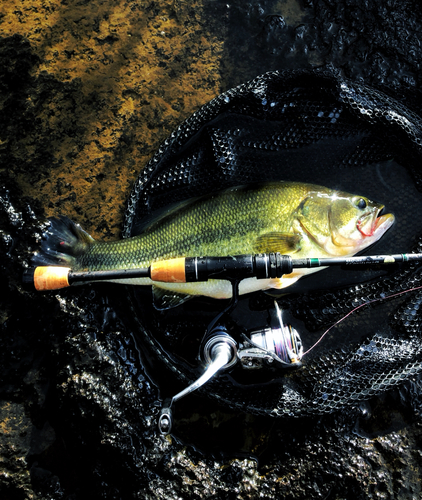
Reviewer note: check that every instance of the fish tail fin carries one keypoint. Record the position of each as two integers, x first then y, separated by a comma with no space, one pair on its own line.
63,242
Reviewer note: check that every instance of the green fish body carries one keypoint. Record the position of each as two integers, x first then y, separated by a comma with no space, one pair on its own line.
299,219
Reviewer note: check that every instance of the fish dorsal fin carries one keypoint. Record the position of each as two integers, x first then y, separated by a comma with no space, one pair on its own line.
167,299
160,214
285,243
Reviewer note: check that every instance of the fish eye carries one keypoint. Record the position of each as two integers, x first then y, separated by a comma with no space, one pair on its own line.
361,203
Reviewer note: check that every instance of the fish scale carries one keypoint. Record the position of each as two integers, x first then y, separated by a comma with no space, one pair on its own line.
291,218
221,225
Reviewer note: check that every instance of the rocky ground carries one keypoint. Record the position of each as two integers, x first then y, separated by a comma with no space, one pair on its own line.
88,91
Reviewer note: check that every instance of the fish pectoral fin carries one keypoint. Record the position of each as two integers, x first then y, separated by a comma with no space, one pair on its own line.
167,299
278,242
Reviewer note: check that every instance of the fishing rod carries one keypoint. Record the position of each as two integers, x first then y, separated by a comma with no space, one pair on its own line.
274,345
193,269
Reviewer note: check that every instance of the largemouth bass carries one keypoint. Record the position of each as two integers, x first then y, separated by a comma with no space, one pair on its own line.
303,220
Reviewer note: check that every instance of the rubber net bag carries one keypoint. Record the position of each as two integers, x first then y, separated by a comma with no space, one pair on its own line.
305,126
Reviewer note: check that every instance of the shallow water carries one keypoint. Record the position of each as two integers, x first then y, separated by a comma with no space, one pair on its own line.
88,92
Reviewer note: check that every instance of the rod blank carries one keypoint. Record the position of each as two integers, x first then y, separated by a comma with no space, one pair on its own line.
191,269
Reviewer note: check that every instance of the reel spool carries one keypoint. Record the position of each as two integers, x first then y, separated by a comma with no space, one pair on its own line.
279,343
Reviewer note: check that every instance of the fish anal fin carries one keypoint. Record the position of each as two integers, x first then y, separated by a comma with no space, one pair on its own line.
167,299
285,243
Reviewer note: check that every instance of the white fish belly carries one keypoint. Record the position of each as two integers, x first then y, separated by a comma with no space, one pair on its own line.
222,289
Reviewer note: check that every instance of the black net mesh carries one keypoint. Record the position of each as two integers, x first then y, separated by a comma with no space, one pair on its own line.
306,126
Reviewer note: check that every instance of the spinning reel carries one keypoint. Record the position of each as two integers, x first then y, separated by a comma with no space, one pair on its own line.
275,344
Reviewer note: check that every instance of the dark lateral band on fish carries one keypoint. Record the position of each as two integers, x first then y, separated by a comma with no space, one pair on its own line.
194,269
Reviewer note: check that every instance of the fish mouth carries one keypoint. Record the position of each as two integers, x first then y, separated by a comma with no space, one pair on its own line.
371,224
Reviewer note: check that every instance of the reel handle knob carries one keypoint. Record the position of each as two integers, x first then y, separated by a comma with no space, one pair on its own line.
165,420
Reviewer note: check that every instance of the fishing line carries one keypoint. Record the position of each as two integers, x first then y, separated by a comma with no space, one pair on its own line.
378,299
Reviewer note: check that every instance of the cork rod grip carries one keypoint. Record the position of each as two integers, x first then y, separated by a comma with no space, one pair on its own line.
170,271
51,277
